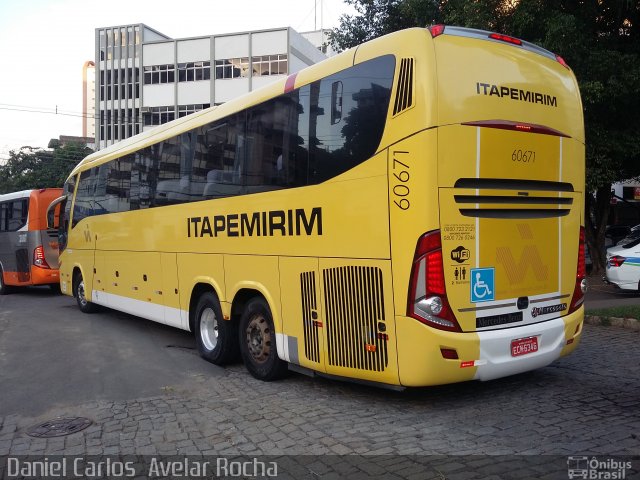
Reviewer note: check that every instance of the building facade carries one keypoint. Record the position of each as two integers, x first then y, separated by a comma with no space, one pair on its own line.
144,78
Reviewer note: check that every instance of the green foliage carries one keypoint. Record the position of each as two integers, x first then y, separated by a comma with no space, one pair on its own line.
627,311
30,168
600,40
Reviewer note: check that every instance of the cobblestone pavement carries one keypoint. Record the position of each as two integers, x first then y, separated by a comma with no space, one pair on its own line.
584,404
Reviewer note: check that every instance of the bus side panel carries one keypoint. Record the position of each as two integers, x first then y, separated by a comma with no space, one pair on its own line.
173,314
15,258
131,282
358,324
302,337
79,254
413,205
257,273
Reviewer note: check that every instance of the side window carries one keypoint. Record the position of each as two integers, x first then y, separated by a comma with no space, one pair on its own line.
223,151
16,213
277,142
125,167
169,187
3,217
143,184
82,207
348,112
107,190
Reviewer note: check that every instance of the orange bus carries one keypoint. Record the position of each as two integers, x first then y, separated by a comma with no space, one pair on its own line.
28,250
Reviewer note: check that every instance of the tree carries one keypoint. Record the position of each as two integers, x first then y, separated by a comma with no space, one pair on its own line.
30,168
600,40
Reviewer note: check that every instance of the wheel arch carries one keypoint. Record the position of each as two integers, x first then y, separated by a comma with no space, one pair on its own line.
199,288
245,292
77,269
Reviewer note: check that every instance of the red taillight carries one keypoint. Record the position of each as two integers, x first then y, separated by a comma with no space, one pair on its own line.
38,257
581,273
436,30
505,38
562,62
517,126
616,261
427,300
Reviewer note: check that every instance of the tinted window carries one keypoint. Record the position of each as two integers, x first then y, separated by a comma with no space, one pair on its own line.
143,183
277,142
13,215
348,111
82,206
303,137
220,161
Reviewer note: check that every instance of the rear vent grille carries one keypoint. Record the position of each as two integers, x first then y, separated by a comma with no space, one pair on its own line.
506,206
404,92
354,305
514,213
513,184
310,316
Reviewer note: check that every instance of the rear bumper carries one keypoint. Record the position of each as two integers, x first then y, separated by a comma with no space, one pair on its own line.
44,276
623,277
481,355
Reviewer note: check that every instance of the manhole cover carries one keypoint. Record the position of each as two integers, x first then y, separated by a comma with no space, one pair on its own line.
59,427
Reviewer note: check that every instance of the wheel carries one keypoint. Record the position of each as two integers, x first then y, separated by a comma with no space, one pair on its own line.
84,305
4,288
258,342
217,339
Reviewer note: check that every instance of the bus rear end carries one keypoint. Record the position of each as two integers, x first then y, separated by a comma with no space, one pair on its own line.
43,242
496,283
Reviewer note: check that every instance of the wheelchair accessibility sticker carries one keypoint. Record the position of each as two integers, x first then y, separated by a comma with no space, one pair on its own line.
482,284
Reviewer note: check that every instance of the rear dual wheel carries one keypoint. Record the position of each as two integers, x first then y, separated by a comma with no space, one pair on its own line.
258,342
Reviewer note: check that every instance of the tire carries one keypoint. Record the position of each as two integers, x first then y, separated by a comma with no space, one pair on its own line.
84,305
258,342
55,288
216,338
4,288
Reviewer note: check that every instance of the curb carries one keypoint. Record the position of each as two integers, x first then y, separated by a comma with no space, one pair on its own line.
628,323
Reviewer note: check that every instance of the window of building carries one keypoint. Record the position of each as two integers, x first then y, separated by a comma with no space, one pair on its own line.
193,71
269,65
232,68
156,74
184,110
159,115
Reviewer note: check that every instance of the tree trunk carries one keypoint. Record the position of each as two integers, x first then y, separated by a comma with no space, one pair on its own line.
596,218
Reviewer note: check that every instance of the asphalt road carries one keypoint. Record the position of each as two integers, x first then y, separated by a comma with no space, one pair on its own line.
603,295
147,392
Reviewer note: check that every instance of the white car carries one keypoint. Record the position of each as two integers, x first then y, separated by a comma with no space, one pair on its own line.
623,265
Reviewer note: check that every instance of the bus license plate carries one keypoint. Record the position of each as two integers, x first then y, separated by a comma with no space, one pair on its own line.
524,346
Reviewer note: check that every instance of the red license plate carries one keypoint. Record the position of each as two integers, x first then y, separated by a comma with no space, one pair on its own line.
524,346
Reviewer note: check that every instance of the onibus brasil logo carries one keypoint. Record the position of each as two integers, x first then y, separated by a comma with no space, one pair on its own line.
595,468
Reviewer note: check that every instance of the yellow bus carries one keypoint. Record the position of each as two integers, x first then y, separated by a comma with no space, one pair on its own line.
408,212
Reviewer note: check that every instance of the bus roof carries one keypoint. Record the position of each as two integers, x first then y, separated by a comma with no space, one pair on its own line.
14,195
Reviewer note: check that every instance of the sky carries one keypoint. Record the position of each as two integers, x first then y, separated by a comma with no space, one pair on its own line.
44,44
